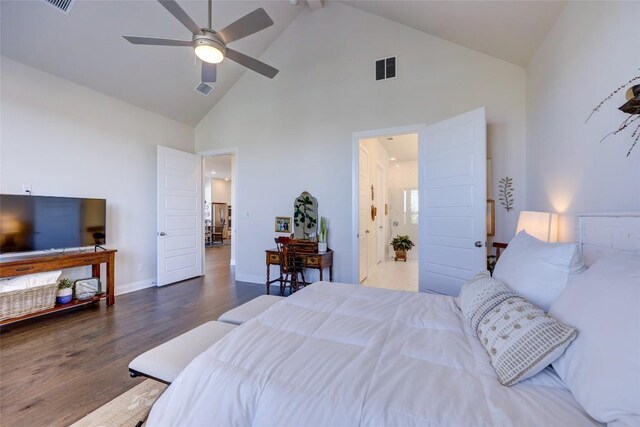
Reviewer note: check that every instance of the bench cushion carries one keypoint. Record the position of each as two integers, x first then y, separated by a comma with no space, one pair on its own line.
167,360
247,311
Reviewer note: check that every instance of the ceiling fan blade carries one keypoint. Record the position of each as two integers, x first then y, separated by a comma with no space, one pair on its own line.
157,42
250,23
175,9
252,63
209,72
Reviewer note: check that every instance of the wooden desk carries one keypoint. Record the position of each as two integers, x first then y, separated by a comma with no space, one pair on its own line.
316,261
49,262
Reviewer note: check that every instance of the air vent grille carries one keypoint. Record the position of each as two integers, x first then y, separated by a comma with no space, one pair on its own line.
63,6
386,68
203,89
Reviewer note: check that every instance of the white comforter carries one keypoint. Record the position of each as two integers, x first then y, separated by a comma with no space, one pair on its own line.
341,355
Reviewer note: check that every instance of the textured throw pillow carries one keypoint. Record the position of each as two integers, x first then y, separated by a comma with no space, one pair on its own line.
521,339
538,271
602,366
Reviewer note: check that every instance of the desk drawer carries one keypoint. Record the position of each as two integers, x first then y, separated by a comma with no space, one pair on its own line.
273,258
313,261
18,270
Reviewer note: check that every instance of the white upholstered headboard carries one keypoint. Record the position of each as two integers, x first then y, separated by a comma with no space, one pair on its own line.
605,233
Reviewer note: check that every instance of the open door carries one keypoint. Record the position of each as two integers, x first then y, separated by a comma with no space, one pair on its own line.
453,197
179,223
363,214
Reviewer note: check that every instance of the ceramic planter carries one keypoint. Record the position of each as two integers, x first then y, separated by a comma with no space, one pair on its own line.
322,246
64,296
401,255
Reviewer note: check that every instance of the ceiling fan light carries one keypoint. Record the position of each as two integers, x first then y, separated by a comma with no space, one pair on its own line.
210,54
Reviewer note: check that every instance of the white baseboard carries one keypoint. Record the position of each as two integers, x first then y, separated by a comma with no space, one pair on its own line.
250,278
135,286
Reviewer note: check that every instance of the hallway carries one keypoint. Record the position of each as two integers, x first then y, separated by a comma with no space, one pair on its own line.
398,276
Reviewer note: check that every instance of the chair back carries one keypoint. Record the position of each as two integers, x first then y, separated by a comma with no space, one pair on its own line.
282,243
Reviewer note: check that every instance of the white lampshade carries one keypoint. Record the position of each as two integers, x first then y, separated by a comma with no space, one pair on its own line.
541,225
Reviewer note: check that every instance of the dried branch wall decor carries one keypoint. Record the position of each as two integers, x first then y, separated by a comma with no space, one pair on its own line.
505,192
631,107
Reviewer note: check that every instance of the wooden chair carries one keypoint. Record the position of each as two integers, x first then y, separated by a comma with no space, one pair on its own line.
291,265
296,264
217,235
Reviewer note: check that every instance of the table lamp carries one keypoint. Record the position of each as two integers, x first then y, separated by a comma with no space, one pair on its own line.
541,225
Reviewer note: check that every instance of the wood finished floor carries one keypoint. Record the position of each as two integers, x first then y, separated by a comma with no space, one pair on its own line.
55,370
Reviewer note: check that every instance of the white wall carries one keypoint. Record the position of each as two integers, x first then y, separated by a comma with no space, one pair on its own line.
67,140
220,191
593,48
208,194
294,132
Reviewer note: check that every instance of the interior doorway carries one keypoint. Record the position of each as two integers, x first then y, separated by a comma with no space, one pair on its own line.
219,194
388,206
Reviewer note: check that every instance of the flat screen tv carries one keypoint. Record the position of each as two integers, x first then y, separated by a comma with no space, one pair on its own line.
37,223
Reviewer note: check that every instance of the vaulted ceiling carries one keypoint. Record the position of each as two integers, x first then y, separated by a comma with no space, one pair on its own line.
86,46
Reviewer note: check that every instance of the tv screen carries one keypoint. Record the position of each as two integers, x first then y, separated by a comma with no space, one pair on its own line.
36,223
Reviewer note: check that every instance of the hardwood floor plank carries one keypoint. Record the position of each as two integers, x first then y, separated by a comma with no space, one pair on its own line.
57,369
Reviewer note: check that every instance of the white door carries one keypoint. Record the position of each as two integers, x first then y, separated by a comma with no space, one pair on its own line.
180,234
380,192
453,202
363,214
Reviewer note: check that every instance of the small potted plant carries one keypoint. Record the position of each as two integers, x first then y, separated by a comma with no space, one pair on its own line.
322,235
401,244
65,291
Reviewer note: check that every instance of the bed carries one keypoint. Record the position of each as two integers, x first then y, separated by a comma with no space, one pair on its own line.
338,354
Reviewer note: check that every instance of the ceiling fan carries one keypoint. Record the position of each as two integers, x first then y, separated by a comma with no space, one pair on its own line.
210,45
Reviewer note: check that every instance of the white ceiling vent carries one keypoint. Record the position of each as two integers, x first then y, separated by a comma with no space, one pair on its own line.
386,68
63,6
203,89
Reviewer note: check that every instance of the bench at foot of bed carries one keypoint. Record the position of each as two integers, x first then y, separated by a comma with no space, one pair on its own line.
166,361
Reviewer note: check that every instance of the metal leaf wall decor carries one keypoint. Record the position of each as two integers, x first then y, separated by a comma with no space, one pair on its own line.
505,193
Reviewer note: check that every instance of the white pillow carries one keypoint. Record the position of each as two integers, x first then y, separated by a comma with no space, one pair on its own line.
520,338
602,367
538,271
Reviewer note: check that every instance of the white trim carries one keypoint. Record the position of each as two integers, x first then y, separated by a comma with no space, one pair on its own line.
420,129
134,286
231,151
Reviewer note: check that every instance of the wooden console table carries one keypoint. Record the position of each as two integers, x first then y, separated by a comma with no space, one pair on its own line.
317,261
58,261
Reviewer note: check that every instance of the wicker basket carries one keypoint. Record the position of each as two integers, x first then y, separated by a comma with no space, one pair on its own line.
26,301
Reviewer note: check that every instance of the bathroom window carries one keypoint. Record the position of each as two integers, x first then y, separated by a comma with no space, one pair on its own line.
411,206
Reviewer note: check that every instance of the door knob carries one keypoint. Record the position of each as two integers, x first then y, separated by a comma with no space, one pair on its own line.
162,233
478,244
367,231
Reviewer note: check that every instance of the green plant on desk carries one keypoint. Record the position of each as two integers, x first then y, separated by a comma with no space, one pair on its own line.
65,284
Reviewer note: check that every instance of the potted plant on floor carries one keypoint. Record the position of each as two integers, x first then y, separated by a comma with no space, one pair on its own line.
322,235
401,244
65,291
